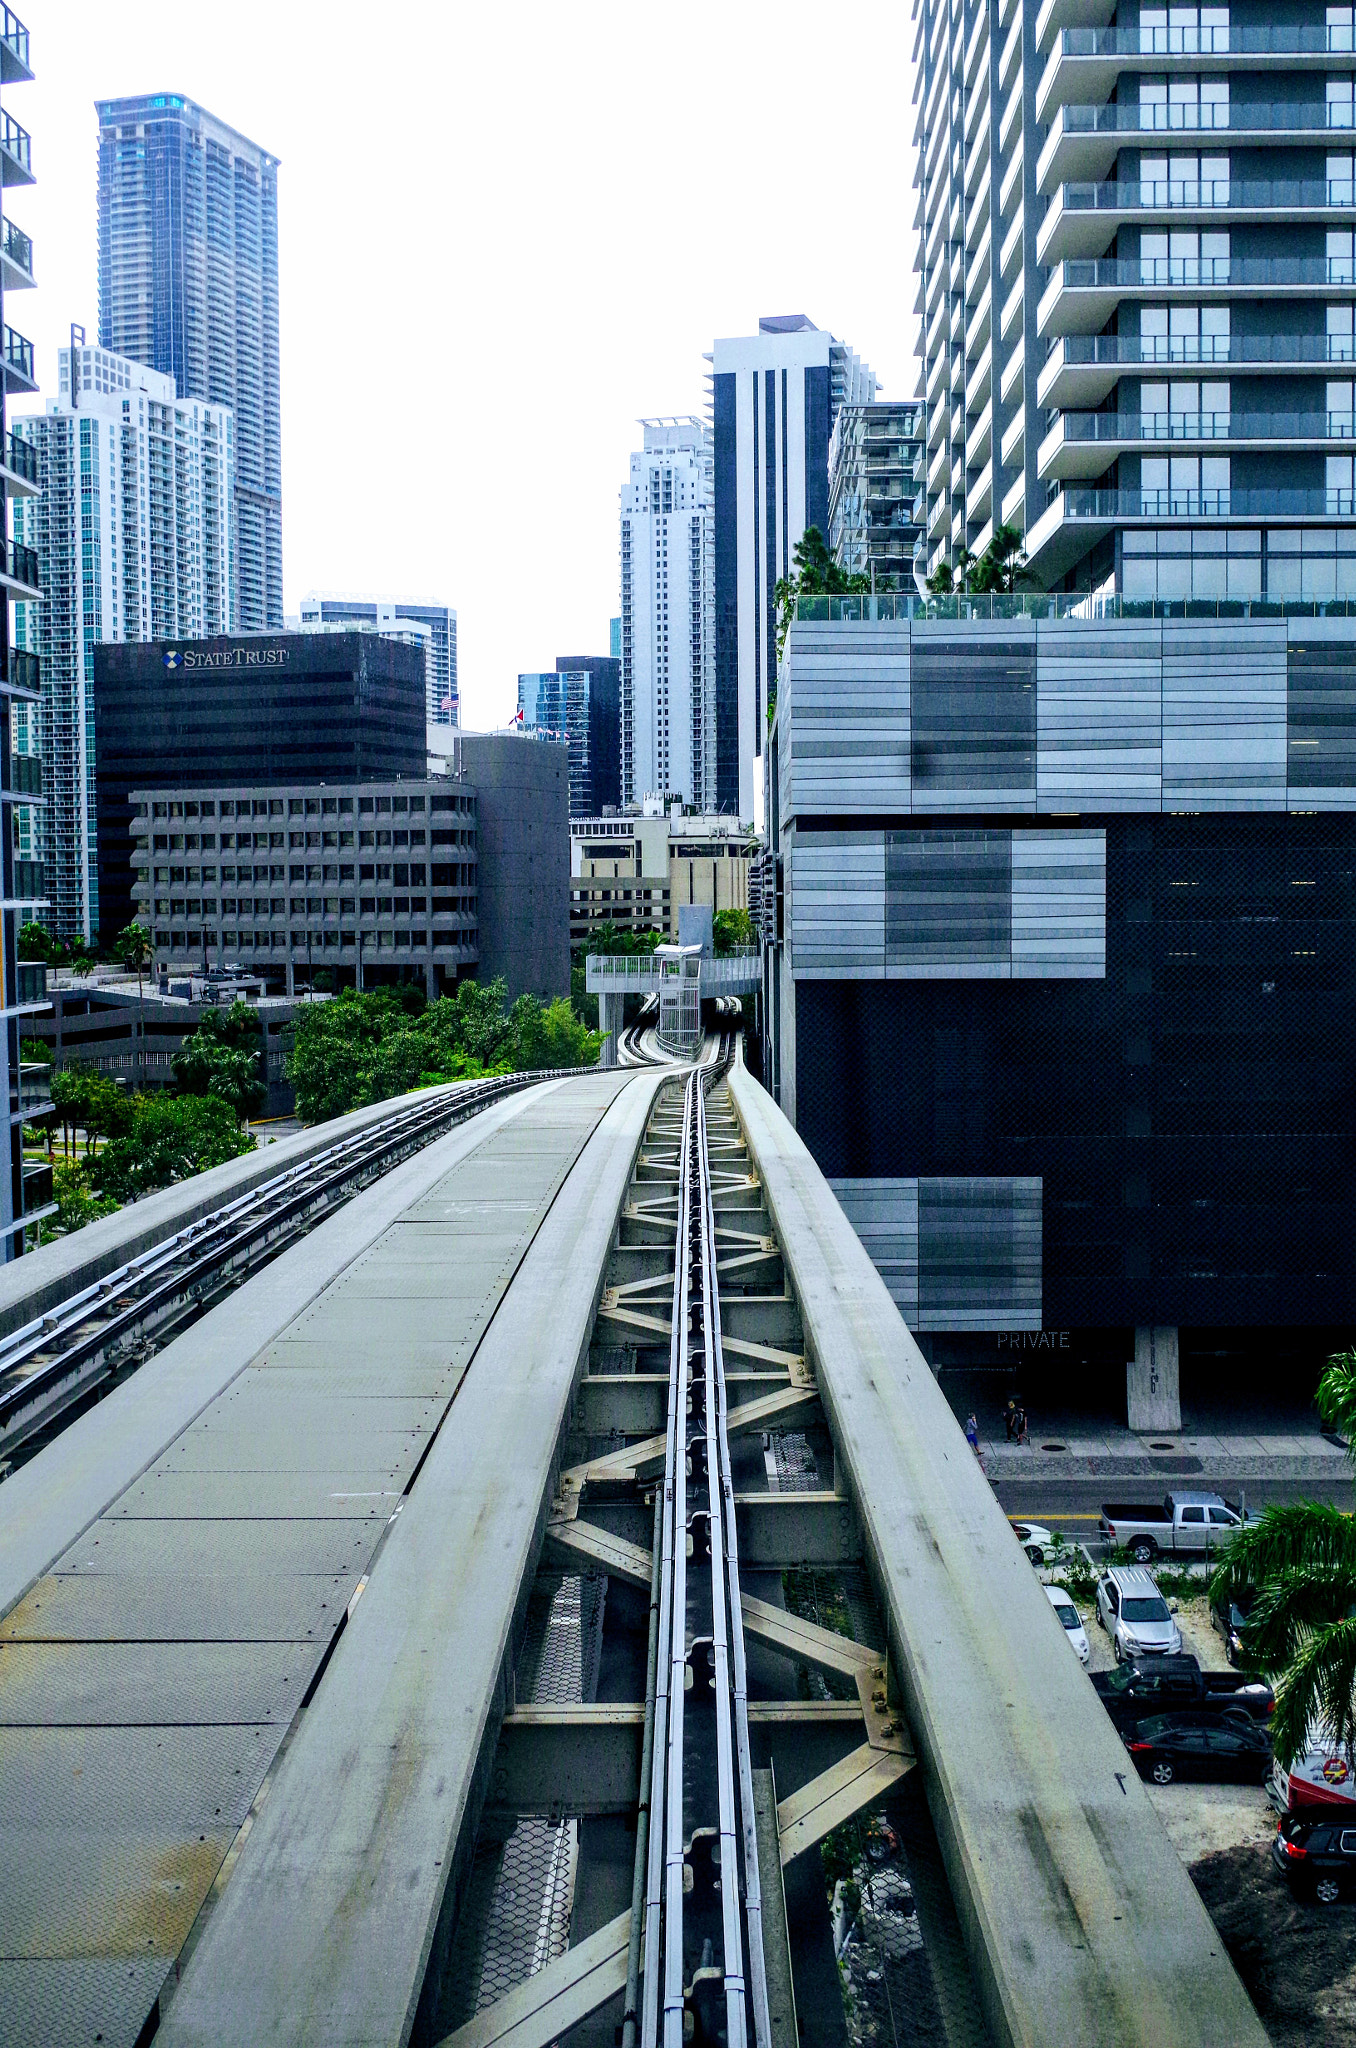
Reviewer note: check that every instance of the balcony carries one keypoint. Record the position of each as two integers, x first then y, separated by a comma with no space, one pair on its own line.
1077,517
1084,292
1081,369
28,881
1083,141
25,774
19,569
14,65
16,152
1011,448
19,373
1086,62
35,1087
25,672
1082,219
16,258
1084,444
1013,372
1055,15
19,470
32,982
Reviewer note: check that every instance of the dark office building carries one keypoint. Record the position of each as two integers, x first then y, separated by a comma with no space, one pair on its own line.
523,796
1062,964
287,708
604,674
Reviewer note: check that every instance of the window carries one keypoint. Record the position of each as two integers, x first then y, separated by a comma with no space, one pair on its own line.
1312,563
1340,395
1340,349
1184,334
1185,485
1339,103
1184,103
1184,180
1195,1516
1339,484
1340,174
1184,411
1182,31
1339,28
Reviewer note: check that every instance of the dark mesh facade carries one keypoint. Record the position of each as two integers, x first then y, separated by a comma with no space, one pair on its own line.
1192,1116
279,708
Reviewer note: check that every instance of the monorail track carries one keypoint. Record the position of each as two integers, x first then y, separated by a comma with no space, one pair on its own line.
61,1358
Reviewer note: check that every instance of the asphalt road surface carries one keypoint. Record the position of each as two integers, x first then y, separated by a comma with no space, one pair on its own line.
1073,1505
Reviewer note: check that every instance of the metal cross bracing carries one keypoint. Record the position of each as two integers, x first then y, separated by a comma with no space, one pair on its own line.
53,1362
767,1727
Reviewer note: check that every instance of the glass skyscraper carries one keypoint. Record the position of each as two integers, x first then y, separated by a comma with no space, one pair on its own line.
188,282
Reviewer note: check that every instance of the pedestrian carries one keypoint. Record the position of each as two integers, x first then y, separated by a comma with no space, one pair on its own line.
1010,1419
972,1432
1019,1423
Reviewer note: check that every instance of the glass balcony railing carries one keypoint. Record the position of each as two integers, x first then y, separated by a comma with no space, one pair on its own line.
14,36
19,355
22,458
1223,39
32,985
20,563
25,774
25,670
1208,426
28,880
1062,604
1172,503
17,247
1118,273
1139,350
1160,195
35,1085
16,142
1205,117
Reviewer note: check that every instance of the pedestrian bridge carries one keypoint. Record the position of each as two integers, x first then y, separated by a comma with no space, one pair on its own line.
611,977
470,1629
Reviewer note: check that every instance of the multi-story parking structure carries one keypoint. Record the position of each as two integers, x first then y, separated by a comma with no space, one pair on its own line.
25,1191
368,881
873,529
1136,290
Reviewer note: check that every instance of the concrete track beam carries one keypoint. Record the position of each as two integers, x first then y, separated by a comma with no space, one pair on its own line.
1083,1928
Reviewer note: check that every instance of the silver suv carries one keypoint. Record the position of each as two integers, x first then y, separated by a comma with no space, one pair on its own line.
1135,1615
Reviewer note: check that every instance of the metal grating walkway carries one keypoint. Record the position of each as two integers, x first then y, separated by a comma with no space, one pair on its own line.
149,1677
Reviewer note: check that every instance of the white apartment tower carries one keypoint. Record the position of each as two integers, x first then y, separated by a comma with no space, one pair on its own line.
134,532
668,728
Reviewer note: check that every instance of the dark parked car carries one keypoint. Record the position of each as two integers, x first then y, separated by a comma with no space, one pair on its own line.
1228,1617
1317,1857
1230,1746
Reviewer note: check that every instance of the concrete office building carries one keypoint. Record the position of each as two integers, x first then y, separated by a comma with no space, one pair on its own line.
25,1191
873,452
439,621
1136,291
641,872
668,724
368,881
604,674
288,709
522,790
133,528
775,397
188,282
1062,959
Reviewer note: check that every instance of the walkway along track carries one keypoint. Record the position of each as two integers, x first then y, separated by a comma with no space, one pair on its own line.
54,1361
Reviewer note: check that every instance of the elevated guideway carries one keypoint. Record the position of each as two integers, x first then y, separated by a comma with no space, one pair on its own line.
470,1631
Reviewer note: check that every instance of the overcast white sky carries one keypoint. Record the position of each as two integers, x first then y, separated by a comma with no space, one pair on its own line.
507,232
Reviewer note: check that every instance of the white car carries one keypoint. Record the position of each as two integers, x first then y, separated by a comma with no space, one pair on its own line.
1038,1543
1135,1615
1073,1627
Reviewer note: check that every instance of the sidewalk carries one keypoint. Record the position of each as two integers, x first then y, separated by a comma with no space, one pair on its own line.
1115,1452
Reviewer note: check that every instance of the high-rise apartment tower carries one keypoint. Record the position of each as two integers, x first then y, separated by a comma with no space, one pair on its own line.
25,1191
188,282
133,532
776,395
668,724
873,452
1136,291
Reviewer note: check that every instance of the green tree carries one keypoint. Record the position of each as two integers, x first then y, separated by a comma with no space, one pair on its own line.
816,574
223,1057
170,1137
1300,1560
72,1094
732,931
76,1201
133,948
37,943
998,572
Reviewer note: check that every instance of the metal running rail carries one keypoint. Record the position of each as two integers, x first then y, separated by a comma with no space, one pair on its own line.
54,1360
703,1926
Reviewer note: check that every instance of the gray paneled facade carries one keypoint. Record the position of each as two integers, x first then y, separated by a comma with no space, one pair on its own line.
948,905
955,1253
1049,716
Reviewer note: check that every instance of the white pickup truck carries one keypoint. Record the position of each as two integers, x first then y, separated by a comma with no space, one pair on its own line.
1190,1524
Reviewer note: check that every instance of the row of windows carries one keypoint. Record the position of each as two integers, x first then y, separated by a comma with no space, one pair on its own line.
297,807
399,939
296,842
179,907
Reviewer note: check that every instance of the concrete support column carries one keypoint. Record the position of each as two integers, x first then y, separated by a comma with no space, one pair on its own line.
291,977
1153,1395
609,1023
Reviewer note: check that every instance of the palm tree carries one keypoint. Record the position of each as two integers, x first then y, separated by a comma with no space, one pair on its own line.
133,948
1301,1559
